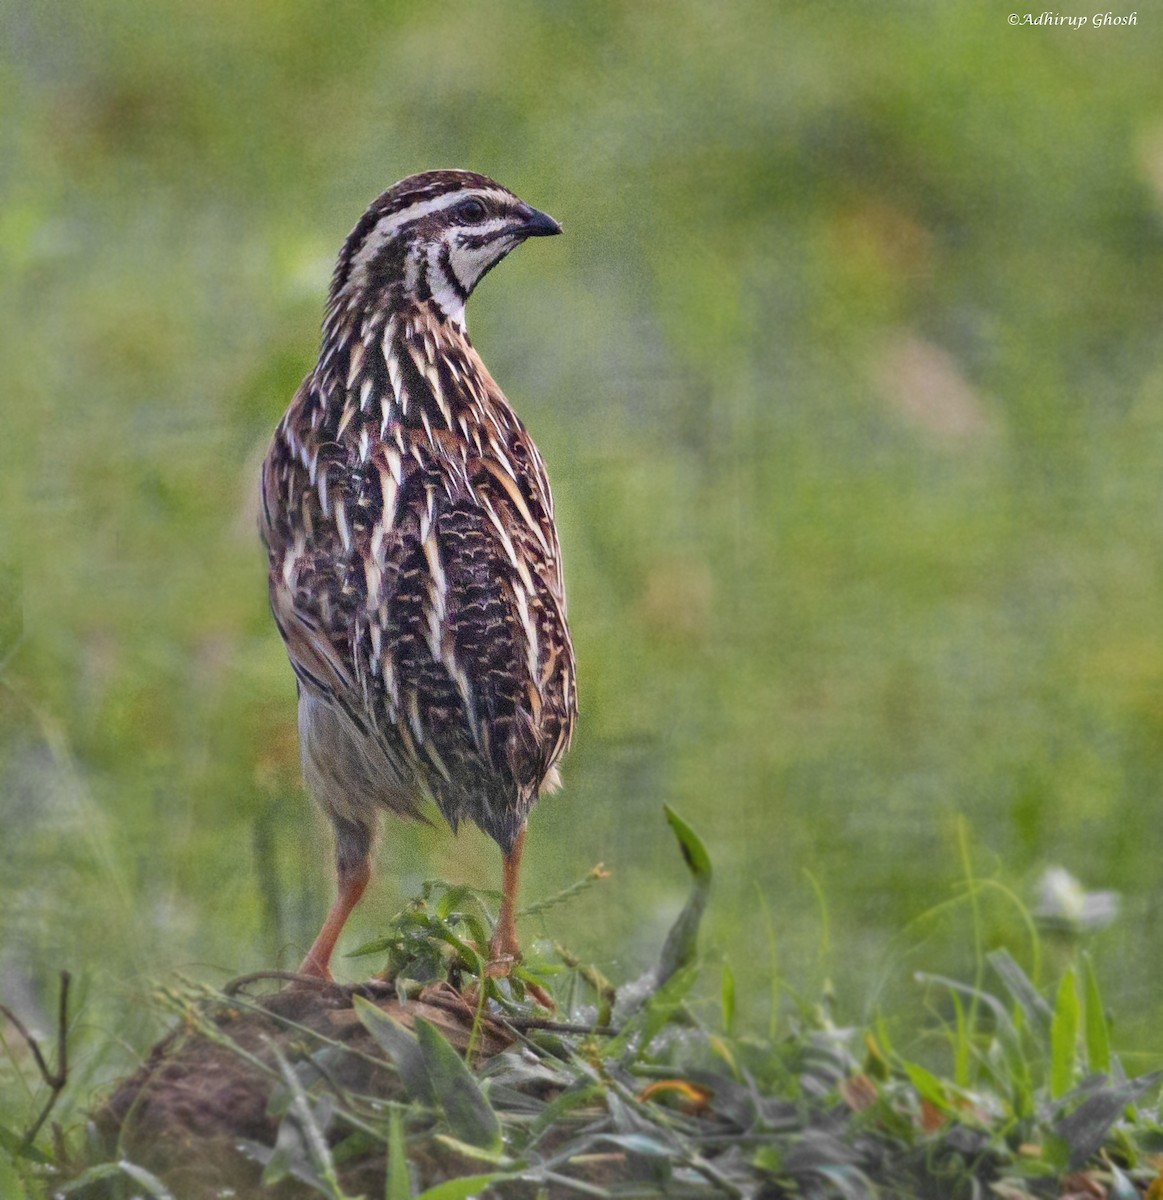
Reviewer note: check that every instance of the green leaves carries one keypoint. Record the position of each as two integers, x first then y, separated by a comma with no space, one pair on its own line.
1073,1016
148,1183
727,997
1016,1062
400,1046
439,933
1064,1036
467,1111
655,1011
681,944
1031,1089
467,1187
435,1075
1030,1058
301,1149
1080,1133
442,935
397,1185
1098,1046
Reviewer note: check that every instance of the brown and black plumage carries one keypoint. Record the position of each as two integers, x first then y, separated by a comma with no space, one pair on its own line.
415,572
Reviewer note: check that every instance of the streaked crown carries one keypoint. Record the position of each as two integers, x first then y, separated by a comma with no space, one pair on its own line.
431,238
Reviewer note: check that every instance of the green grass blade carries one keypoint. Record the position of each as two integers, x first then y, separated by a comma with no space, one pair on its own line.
1009,1038
463,1188
555,1110
681,943
963,1043
146,1179
1022,991
773,982
928,1086
1098,1045
153,1187
1064,1036
10,1182
727,998
824,949
301,1146
466,1108
975,914
397,1186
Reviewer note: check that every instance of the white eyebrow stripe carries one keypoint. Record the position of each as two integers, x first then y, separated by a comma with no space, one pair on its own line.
389,226
487,228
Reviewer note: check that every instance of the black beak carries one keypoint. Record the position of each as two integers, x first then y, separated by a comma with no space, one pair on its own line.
538,224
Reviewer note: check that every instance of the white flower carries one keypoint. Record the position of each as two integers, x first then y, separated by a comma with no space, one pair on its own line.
1063,903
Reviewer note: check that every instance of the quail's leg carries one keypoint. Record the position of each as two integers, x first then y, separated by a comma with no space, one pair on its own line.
353,863
504,948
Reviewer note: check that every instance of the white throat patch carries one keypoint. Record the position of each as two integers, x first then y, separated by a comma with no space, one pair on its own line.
445,292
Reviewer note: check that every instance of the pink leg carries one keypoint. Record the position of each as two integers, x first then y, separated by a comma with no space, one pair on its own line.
352,884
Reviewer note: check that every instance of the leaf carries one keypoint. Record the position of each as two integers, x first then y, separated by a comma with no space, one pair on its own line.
1021,989
467,1110
398,1185
13,1143
453,899
628,1117
688,1096
464,1187
658,1010
639,1143
400,1046
146,1179
468,952
1098,1046
375,946
662,1006
963,1043
1006,1030
259,1152
496,1159
1121,1188
768,1158
928,1086
10,1181
728,998
1064,1036
681,943
578,1096
1084,1130
849,1182
151,1183
1008,1039
301,1147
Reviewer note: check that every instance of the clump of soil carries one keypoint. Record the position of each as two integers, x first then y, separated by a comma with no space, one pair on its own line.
207,1086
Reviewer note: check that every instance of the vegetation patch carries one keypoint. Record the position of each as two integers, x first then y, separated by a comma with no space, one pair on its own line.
435,1080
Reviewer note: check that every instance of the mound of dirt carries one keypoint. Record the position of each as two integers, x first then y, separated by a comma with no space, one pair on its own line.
207,1086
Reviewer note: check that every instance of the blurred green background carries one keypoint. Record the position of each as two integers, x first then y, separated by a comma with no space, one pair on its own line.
849,377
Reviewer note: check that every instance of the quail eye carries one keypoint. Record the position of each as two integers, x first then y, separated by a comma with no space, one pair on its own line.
472,211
